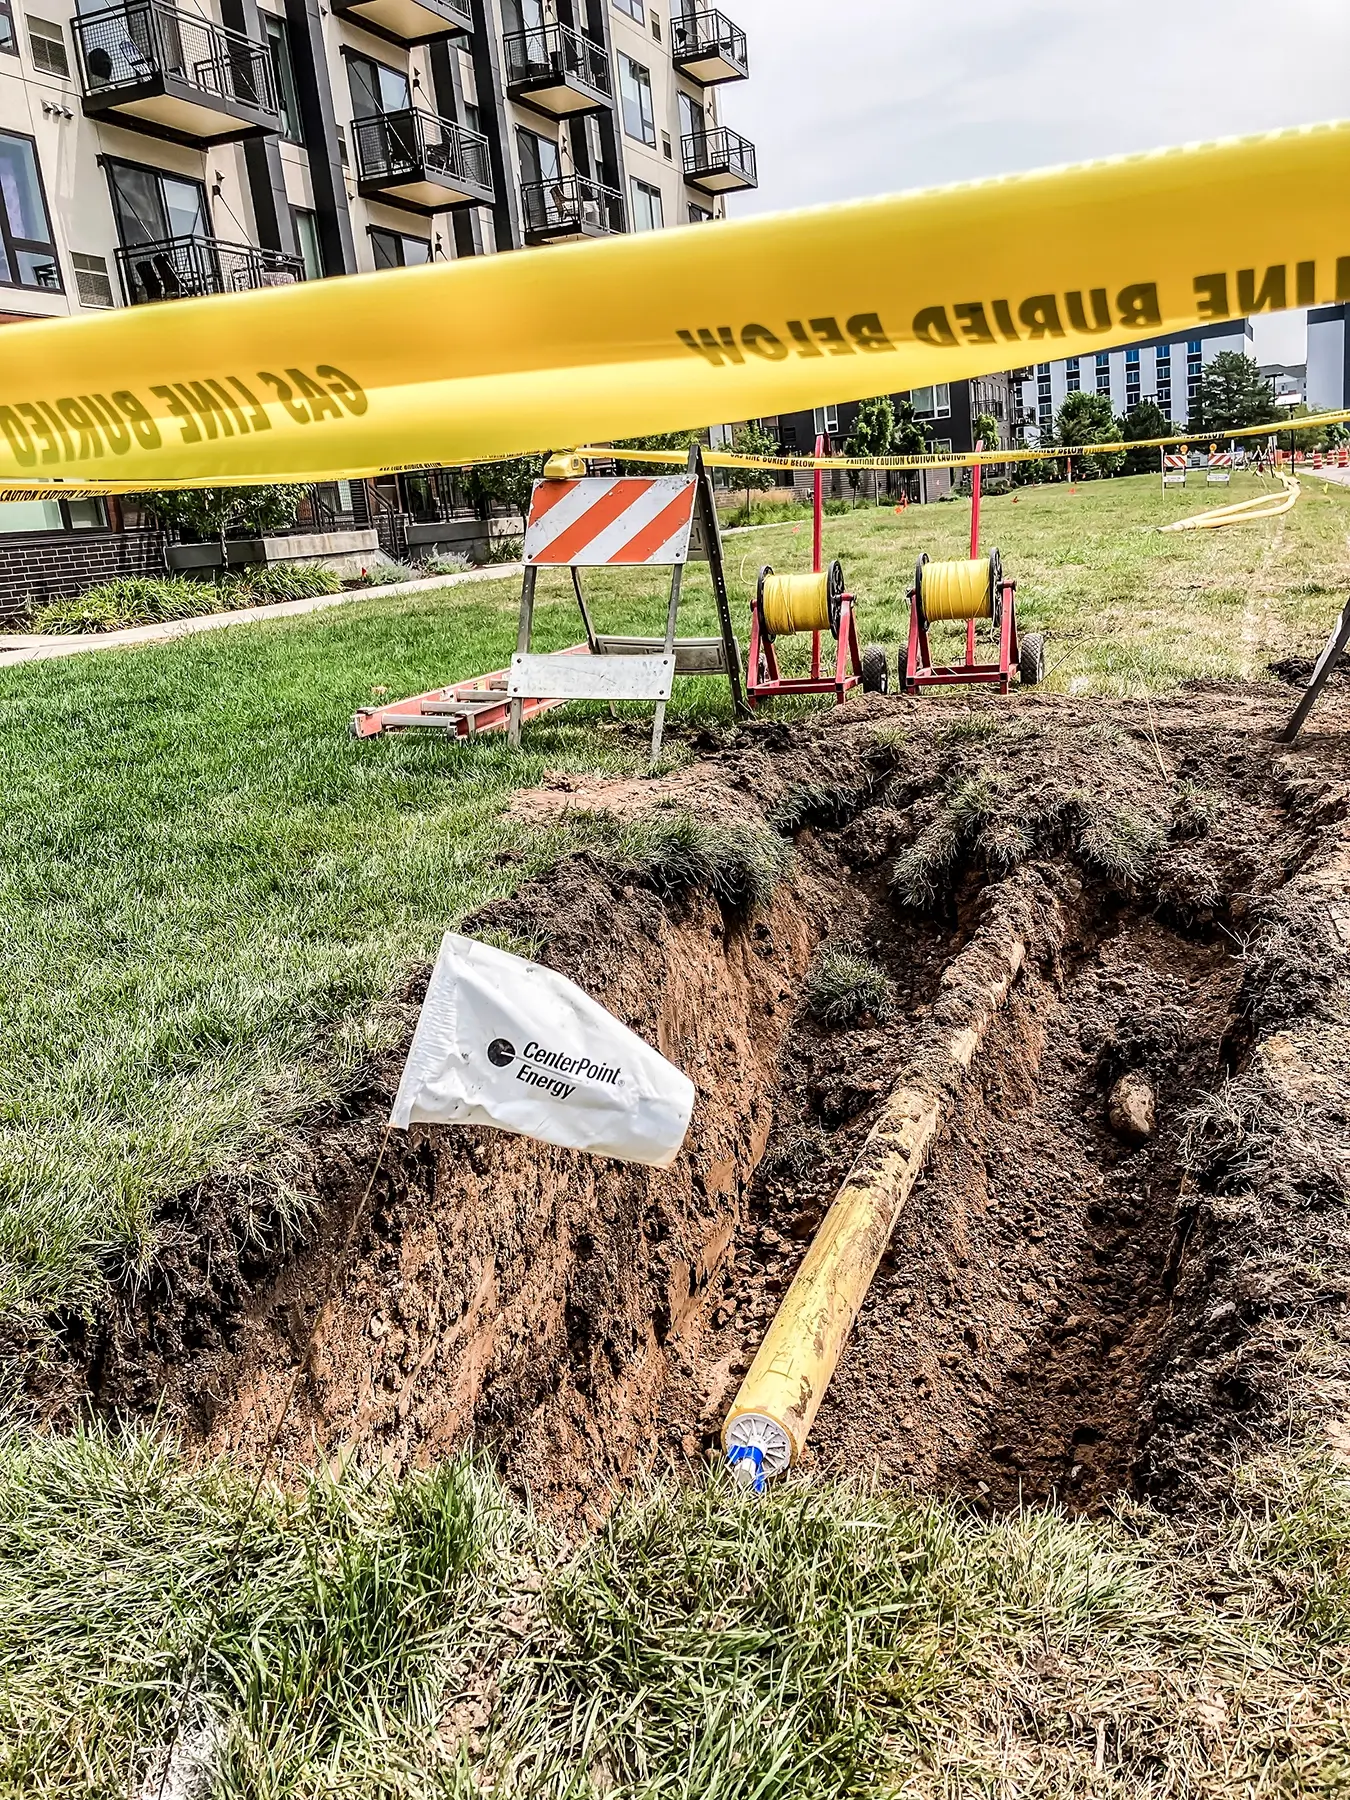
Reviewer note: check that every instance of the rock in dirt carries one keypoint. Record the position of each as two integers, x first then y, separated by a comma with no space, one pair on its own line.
1132,1109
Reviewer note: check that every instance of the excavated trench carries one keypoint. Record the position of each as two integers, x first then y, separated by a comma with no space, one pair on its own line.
1068,1307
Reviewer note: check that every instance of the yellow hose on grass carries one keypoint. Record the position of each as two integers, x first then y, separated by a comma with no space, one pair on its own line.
1239,512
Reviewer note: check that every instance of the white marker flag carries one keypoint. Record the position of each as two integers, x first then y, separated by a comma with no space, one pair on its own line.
504,1042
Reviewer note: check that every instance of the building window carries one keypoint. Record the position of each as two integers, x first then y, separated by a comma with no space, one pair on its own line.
825,420
932,402
656,28
47,44
91,280
392,250
665,146
647,213
941,446
307,237
53,515
376,88
539,161
8,41
29,252
279,43
699,215
1104,372
150,206
635,90
1073,375
632,7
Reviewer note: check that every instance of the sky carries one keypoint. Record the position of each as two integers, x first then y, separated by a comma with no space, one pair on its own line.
848,98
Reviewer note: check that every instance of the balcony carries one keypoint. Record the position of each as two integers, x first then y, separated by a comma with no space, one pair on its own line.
418,160
173,74
408,21
184,268
719,161
570,206
708,48
557,71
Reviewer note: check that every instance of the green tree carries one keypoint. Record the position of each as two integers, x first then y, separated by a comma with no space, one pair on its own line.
508,483
873,434
985,431
1233,393
1087,419
1146,420
206,513
660,440
751,439
908,439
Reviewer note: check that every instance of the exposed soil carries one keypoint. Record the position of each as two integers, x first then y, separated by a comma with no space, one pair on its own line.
1069,1305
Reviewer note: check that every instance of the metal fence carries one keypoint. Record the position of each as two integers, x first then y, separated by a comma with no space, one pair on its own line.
570,203
556,53
709,152
398,145
707,33
130,45
181,268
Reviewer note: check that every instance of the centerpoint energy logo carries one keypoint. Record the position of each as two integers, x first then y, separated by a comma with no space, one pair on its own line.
542,1068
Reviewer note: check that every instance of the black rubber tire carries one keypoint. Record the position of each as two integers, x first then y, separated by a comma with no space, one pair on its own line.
1031,658
876,673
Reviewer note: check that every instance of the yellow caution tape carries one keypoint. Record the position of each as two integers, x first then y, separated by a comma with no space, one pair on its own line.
496,355
958,459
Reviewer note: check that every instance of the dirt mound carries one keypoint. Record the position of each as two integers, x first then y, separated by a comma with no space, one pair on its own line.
1127,1253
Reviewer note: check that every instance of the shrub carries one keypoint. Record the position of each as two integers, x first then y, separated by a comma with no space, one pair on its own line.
843,985
505,550
129,600
387,574
448,564
262,586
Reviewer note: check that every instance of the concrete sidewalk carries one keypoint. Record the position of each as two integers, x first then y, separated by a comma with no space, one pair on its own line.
22,647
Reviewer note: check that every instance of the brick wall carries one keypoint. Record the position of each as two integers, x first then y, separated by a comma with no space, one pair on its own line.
44,565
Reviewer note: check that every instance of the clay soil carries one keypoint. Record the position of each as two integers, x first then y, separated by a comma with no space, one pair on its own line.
1065,1309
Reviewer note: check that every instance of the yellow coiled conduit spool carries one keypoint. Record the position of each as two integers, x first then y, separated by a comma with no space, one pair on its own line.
958,590
790,603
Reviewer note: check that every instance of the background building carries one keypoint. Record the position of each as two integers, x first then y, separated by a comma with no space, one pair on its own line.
149,151
1166,370
1328,387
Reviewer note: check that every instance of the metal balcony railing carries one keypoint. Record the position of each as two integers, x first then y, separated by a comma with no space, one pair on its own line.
556,54
401,146
181,268
136,44
570,205
718,150
705,35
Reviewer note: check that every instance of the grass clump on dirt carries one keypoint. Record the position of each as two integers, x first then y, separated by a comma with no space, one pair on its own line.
740,865
843,985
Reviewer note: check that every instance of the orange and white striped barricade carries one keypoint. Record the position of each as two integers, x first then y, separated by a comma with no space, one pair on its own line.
598,522
1220,471
1174,468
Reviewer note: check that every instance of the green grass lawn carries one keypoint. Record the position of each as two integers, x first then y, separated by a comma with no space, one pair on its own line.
207,887
208,891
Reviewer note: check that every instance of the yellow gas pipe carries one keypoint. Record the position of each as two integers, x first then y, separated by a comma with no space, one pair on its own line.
767,1425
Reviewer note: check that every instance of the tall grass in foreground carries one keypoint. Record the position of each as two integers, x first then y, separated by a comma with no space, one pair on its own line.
428,1638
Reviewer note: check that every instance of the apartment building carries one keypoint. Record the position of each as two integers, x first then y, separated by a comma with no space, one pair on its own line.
152,150
1328,383
1166,370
